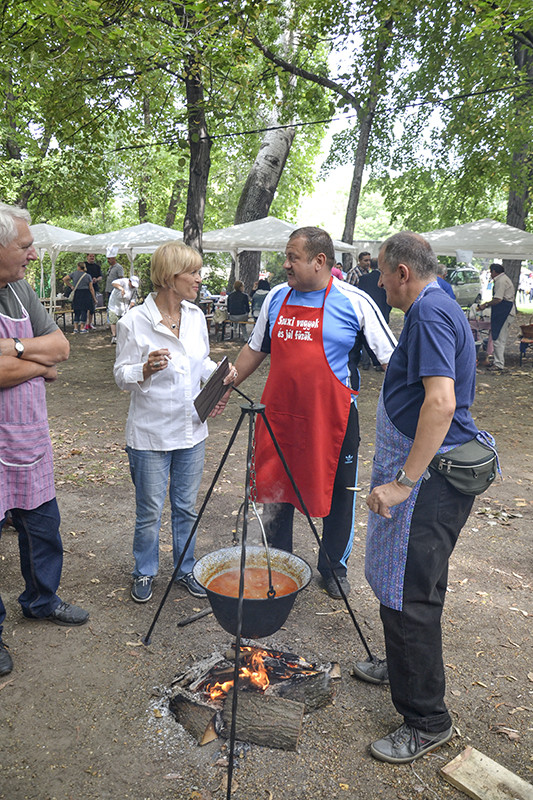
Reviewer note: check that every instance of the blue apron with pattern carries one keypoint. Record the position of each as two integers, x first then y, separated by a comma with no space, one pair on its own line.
387,540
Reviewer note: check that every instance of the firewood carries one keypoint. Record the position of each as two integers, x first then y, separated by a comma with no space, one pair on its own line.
197,670
480,777
314,691
198,718
263,720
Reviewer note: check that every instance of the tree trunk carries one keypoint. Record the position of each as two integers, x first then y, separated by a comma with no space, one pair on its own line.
257,196
355,188
521,178
173,203
366,116
144,180
199,148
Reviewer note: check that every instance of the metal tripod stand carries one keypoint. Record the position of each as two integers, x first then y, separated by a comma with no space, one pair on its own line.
251,410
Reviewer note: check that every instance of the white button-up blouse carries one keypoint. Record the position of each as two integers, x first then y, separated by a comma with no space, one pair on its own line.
162,415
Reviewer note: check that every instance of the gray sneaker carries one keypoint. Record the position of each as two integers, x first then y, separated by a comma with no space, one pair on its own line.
372,670
406,744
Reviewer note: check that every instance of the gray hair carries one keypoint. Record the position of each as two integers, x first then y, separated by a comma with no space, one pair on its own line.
8,217
412,250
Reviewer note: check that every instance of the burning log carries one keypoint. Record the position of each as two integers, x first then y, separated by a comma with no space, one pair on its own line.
267,721
200,719
275,690
314,691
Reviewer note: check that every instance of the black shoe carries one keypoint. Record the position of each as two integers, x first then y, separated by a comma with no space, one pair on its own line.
6,662
406,744
332,589
141,590
372,670
64,614
67,614
192,585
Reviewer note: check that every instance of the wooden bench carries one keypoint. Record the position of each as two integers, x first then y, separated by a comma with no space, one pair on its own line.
236,326
101,310
60,316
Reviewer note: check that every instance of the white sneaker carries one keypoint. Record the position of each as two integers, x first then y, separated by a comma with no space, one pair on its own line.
113,340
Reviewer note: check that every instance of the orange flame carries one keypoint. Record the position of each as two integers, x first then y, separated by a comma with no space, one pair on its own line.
255,673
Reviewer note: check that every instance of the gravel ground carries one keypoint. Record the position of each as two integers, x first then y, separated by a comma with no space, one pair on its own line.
84,713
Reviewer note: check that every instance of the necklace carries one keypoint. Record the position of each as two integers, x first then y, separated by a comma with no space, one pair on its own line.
174,323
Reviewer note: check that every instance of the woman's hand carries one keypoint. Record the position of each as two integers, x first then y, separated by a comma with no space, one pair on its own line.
157,361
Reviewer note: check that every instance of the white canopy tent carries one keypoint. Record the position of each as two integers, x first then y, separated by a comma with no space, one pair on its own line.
268,233
484,238
143,238
46,239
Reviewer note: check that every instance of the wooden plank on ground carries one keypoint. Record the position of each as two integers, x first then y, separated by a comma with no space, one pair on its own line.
480,777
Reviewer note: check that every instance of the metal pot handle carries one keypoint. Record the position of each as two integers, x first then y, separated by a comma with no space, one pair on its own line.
271,591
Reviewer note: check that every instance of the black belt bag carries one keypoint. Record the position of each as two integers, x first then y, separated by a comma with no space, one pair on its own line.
470,468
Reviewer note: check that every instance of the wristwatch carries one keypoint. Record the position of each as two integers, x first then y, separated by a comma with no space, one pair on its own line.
402,479
19,347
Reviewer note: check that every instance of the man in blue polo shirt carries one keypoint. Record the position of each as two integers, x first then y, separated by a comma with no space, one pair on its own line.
415,514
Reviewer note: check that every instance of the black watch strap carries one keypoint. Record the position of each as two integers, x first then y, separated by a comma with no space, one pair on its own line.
19,347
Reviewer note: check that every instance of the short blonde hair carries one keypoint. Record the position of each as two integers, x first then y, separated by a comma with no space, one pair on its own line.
173,258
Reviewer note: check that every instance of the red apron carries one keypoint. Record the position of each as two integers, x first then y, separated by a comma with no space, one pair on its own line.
26,467
307,407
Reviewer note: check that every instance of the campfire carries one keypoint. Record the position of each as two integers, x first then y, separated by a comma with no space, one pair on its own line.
275,690
259,669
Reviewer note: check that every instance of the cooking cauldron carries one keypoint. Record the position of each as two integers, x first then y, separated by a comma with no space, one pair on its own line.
259,617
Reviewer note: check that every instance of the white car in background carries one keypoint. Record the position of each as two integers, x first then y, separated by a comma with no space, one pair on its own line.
466,285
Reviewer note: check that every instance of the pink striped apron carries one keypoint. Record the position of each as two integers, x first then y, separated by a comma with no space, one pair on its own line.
26,467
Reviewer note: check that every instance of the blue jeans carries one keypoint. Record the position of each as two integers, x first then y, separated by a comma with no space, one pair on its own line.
41,558
150,472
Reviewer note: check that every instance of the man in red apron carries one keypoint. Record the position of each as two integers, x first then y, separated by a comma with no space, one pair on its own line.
311,326
31,345
415,514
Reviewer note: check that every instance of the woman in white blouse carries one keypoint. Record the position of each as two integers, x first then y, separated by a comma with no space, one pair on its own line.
162,360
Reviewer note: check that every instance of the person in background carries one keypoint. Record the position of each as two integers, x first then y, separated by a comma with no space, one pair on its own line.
416,515
309,326
239,306
115,271
502,312
31,346
442,271
122,298
220,314
162,360
258,296
362,266
82,296
369,283
93,269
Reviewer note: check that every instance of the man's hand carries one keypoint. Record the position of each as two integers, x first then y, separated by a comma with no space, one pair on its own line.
50,374
48,350
381,498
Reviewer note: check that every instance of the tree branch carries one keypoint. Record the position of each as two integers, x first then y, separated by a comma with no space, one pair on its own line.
309,76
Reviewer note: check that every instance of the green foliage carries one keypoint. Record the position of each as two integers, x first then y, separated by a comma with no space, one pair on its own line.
465,108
